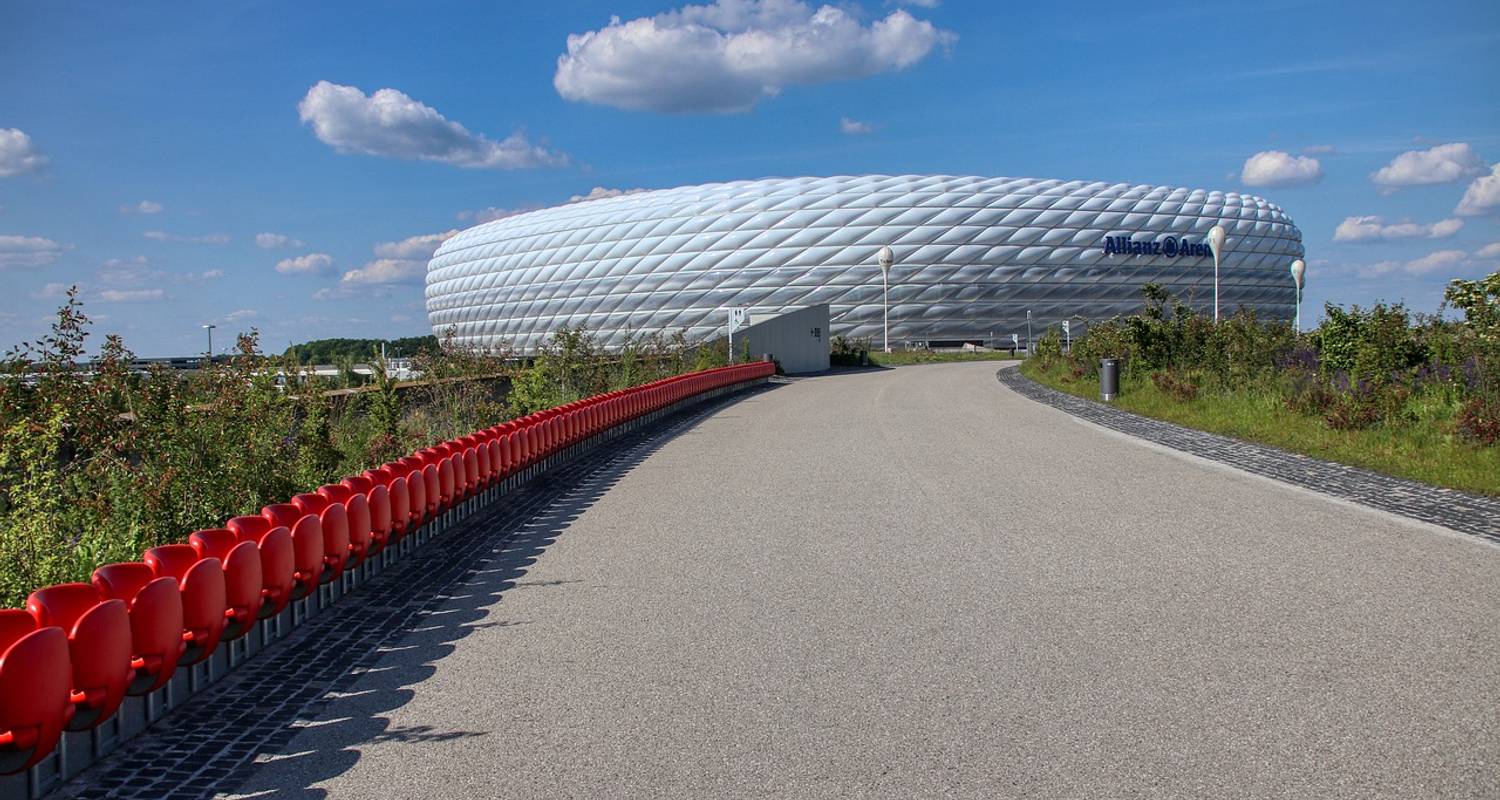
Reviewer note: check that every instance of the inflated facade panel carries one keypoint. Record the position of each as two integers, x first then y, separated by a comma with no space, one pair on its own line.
972,256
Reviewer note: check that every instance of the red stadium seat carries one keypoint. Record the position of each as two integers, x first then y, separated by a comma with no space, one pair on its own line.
249,529
334,519
155,608
433,490
357,508
98,640
283,514
307,556
242,577
201,583
447,482
34,694
401,506
475,472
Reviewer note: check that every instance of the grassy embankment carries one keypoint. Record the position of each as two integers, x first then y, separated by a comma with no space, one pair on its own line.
1425,451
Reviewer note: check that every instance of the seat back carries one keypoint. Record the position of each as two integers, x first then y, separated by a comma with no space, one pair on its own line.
380,514
34,692
307,555
400,498
334,521
278,571
172,560
311,502
361,536
242,589
361,483
249,529
434,491
337,492
214,542
284,514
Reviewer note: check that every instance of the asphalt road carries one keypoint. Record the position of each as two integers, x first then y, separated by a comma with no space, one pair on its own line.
914,582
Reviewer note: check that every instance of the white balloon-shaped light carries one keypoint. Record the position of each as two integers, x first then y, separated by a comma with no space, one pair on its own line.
885,257
1299,270
1216,237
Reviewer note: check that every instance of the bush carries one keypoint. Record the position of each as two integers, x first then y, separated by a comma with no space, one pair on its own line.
1479,421
98,464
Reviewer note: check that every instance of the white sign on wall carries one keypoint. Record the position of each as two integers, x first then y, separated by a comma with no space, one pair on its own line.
739,317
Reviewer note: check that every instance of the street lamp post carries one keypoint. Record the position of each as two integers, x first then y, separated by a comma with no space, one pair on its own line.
1299,270
210,329
1216,238
1028,331
886,258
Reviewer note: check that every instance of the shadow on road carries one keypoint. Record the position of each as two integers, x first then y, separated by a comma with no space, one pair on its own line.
334,680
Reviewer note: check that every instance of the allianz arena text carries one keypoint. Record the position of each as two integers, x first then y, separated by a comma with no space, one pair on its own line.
972,256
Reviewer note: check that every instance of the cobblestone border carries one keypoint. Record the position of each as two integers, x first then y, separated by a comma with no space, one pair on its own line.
212,744
1475,515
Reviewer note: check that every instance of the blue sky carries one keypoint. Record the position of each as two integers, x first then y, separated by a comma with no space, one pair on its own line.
289,166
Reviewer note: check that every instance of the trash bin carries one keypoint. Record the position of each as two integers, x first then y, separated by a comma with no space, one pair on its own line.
1109,378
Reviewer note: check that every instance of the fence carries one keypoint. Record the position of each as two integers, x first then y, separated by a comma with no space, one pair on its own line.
85,667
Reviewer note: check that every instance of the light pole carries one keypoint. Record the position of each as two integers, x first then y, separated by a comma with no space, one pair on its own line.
1216,245
1028,332
1299,270
886,258
210,329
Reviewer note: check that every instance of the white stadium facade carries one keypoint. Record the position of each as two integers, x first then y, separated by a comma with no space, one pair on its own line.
972,256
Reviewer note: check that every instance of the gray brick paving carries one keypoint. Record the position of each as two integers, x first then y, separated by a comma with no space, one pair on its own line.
1460,511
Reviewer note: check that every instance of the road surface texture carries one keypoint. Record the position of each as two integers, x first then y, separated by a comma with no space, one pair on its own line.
915,582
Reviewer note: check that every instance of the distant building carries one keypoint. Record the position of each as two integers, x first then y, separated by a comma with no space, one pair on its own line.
972,256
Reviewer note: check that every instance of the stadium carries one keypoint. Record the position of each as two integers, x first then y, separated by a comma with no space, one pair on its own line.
972,256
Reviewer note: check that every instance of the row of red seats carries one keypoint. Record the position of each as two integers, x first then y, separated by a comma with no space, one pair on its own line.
69,659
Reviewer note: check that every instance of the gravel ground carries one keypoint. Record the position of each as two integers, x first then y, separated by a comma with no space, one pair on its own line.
915,582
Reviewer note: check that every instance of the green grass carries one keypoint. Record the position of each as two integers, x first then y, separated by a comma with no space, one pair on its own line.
1422,451
903,357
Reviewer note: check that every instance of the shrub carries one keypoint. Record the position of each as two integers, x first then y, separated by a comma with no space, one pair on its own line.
1479,421
1178,386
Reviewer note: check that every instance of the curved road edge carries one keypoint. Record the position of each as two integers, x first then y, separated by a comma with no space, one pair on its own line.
1470,514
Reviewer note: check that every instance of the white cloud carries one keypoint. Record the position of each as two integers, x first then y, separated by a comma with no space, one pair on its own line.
17,155
310,264
143,207
163,236
240,315
1275,168
132,295
29,251
1444,163
854,126
1482,196
413,247
211,274
1489,251
728,55
269,241
403,261
600,192
1319,150
489,214
389,123
919,3
1369,229
1442,259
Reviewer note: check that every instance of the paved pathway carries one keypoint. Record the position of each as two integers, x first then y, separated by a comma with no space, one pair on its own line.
916,582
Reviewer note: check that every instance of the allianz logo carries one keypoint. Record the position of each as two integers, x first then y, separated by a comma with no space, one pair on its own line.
1169,246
